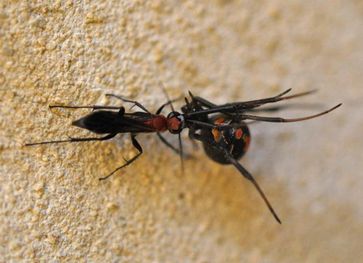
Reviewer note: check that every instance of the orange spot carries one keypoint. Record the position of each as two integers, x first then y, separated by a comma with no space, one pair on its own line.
219,121
216,135
238,134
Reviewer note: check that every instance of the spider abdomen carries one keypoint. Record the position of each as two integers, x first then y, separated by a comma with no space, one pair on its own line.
234,139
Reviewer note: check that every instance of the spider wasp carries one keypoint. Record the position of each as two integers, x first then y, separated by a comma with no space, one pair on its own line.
222,129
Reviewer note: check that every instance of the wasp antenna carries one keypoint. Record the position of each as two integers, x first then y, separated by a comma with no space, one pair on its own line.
191,94
278,119
284,92
300,94
167,96
315,115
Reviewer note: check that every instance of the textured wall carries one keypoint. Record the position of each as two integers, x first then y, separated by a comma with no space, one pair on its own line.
54,208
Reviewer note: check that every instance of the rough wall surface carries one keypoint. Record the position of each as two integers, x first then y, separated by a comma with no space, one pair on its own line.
53,208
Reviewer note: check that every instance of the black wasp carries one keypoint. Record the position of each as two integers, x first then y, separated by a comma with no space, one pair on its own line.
221,128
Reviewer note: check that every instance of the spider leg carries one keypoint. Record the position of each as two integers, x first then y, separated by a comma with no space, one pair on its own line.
238,107
249,177
240,168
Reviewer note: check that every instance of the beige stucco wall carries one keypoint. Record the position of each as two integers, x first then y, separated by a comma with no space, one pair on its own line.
54,209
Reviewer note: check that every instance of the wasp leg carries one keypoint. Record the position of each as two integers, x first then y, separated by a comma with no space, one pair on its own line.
94,107
181,152
107,137
136,144
136,103
168,144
